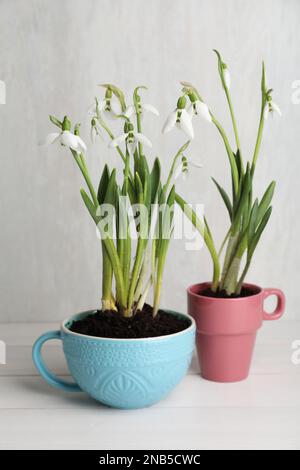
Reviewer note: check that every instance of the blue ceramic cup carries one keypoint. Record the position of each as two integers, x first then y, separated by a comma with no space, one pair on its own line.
121,373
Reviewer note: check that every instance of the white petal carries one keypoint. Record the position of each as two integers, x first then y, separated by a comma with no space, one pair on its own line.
115,107
96,131
266,111
98,234
118,140
185,174
170,122
191,111
143,139
109,115
81,144
203,111
101,105
130,110
227,79
187,84
92,109
186,124
150,109
196,165
131,147
276,108
50,139
69,140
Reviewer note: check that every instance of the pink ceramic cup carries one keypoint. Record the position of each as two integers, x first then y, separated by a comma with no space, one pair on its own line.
226,329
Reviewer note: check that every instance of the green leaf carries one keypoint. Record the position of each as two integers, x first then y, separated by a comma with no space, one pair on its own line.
225,198
167,222
143,168
147,192
266,201
253,220
246,187
239,163
155,179
207,228
89,205
110,196
55,121
102,188
139,188
259,231
171,197
131,191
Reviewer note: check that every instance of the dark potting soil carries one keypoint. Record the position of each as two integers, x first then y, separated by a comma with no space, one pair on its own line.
245,292
111,324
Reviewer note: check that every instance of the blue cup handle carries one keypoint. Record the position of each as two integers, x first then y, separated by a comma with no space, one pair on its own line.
43,370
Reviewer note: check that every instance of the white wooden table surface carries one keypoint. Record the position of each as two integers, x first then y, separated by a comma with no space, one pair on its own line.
261,412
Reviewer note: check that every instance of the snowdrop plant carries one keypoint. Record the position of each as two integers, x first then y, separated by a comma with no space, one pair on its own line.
133,211
248,216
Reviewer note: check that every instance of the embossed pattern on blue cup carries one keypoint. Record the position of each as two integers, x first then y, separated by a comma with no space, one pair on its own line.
121,373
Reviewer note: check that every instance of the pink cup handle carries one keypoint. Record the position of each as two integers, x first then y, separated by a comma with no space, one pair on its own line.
278,312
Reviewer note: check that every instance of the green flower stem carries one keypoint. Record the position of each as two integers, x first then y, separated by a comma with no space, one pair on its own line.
173,166
117,268
126,173
136,102
171,172
233,165
125,243
205,233
126,259
111,135
83,168
264,95
259,138
142,275
236,134
139,129
134,276
158,282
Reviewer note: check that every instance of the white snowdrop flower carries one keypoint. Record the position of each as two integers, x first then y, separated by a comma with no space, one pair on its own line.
66,138
183,167
109,108
199,108
142,109
223,71
270,108
180,118
95,131
131,138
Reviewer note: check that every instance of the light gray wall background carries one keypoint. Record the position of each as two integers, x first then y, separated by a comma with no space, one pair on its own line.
54,53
